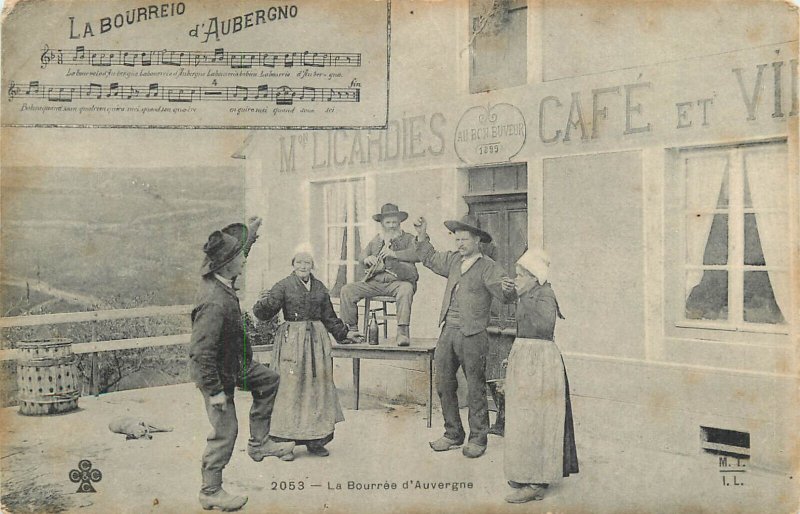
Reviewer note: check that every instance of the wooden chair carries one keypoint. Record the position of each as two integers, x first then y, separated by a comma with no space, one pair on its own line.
383,315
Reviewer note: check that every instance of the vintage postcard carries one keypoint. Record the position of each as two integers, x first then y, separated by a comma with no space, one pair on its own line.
455,256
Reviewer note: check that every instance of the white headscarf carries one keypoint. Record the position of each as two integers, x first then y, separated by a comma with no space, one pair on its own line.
303,249
536,262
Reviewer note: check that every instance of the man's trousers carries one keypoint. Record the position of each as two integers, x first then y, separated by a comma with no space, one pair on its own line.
262,383
352,293
455,350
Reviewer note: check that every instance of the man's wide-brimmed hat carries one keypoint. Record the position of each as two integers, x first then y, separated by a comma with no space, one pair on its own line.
237,230
222,247
470,224
390,209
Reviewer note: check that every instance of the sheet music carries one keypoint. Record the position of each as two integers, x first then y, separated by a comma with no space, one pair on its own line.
233,70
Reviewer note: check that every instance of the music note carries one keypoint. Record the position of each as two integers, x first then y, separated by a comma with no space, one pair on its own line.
133,92
60,94
262,91
266,58
129,61
219,57
33,88
316,60
180,94
169,58
238,60
95,90
312,93
284,96
240,89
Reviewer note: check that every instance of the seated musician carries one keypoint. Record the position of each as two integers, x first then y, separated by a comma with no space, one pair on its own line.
389,260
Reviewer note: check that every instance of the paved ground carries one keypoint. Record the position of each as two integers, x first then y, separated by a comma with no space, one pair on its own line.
380,444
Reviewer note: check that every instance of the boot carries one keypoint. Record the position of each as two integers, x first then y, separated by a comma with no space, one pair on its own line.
499,398
444,443
222,500
317,449
270,449
473,450
403,337
526,493
499,427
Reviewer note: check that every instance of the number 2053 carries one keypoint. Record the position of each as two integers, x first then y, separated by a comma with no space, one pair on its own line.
289,485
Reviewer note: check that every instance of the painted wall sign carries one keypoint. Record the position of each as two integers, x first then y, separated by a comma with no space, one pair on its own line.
404,139
490,134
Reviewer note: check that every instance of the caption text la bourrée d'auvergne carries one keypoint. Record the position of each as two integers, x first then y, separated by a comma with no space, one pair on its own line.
357,485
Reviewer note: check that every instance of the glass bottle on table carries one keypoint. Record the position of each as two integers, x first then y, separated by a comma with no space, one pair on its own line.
372,330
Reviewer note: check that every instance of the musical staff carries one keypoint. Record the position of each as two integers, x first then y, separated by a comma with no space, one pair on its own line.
281,95
218,57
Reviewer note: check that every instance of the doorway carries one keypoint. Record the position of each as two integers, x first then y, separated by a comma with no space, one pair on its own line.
498,198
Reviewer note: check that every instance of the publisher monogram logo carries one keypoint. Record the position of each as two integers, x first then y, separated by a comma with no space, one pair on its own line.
85,474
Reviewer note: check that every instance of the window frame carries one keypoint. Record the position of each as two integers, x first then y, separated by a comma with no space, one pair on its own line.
350,263
735,328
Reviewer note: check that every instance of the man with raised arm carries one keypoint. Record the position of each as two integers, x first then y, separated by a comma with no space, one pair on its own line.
472,281
220,359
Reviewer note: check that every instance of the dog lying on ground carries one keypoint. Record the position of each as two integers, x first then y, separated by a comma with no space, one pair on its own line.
135,428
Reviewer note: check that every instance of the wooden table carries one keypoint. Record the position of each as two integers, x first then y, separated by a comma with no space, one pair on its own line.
418,351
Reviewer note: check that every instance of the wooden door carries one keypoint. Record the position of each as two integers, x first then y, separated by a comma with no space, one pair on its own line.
505,217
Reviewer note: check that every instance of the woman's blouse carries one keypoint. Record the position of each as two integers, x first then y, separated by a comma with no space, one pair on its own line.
301,304
537,309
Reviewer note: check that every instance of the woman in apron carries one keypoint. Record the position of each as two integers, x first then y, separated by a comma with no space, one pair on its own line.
307,405
539,437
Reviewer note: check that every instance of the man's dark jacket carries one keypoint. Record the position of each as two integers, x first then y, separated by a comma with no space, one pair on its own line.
402,265
218,351
475,290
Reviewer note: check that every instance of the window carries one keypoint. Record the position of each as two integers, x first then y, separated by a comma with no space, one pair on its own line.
735,231
512,178
498,44
345,220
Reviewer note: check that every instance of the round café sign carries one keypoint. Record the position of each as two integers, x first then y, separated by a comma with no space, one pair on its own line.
490,134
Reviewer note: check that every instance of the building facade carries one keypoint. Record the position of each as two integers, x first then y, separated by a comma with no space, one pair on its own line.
650,149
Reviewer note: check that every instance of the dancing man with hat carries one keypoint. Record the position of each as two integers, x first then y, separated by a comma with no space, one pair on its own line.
391,271
221,359
472,281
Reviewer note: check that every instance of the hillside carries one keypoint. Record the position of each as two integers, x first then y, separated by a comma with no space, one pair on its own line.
108,238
